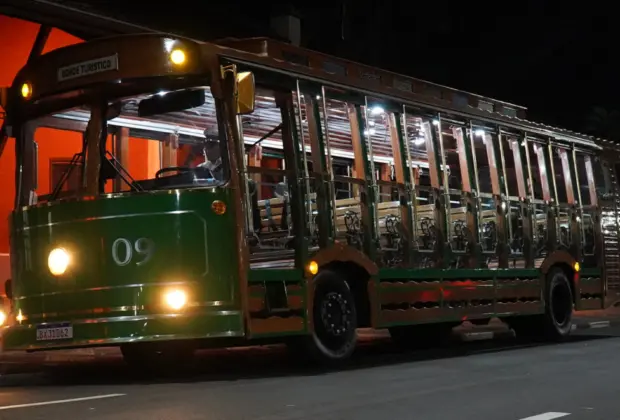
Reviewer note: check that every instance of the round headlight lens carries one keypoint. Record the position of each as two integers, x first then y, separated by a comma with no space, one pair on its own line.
58,261
175,299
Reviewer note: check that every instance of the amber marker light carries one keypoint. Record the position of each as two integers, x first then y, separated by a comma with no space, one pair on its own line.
313,267
218,207
577,267
178,57
26,91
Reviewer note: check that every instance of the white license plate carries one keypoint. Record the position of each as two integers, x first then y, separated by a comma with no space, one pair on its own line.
52,332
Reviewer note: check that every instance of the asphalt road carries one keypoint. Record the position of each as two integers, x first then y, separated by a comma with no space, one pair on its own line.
491,380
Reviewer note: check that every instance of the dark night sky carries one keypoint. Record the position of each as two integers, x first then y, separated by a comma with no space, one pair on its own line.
556,59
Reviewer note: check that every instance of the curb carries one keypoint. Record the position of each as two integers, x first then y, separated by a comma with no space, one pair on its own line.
594,325
501,332
463,335
487,335
491,335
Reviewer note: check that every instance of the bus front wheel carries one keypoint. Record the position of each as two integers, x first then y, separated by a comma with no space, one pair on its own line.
335,322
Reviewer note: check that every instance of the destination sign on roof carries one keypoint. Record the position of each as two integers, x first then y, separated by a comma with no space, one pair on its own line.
87,68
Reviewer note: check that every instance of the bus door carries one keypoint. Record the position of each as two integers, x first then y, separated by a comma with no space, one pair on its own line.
606,188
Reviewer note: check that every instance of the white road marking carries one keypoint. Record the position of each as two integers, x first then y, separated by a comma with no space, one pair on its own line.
547,416
95,397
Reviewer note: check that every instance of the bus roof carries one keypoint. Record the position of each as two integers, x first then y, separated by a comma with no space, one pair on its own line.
324,68
285,58
302,56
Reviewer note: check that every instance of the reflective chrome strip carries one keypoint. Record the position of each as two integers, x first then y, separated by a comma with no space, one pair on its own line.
128,318
120,340
124,286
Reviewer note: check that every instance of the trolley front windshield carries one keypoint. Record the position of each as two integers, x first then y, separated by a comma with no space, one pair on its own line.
164,140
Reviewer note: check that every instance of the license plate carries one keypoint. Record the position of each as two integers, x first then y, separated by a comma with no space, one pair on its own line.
50,332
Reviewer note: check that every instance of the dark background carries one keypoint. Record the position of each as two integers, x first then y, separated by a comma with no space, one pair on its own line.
556,58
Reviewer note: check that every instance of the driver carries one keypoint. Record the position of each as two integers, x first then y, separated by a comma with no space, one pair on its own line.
213,156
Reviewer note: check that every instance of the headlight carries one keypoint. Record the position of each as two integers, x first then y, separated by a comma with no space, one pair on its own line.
2,318
58,261
175,299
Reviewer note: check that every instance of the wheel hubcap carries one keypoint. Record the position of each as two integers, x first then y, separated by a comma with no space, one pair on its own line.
561,304
335,314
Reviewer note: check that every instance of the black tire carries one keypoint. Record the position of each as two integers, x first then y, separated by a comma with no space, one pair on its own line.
556,323
157,355
334,317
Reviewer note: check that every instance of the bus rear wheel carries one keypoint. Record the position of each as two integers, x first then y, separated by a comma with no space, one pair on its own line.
557,321
335,322
158,354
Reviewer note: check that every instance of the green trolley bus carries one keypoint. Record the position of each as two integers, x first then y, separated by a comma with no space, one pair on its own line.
252,191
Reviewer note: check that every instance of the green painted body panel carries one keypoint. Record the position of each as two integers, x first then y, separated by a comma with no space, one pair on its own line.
111,299
114,301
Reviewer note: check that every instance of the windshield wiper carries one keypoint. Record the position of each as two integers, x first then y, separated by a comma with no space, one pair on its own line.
77,158
122,172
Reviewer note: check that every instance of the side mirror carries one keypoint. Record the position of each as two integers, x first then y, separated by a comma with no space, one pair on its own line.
8,289
246,92
171,102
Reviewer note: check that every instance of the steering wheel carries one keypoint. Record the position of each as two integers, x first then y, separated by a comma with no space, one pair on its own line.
184,169
162,171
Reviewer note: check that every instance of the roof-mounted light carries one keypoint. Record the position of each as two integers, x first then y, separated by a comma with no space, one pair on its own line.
178,56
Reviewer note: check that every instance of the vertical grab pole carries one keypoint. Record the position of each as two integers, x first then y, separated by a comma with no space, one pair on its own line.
373,174
330,164
306,179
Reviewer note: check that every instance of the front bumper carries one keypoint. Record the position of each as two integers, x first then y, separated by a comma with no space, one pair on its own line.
133,328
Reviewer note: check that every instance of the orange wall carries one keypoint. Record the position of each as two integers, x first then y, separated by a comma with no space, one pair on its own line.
61,144
20,36
21,33
53,144
7,192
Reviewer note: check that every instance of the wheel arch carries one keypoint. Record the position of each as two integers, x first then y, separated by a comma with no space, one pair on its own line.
358,271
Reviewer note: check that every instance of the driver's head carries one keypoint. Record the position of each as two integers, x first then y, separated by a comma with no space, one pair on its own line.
212,149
